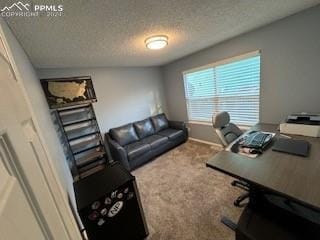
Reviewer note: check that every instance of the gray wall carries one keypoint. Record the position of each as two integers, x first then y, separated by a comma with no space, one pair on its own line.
124,94
290,79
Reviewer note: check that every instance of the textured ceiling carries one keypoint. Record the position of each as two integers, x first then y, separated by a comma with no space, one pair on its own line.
112,32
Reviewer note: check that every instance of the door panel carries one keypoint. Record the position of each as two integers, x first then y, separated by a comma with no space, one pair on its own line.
29,200
16,218
17,221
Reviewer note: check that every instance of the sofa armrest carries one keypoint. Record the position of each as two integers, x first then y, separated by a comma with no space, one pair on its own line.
181,126
177,125
118,153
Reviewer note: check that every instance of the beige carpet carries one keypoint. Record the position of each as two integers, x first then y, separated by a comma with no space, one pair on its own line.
183,199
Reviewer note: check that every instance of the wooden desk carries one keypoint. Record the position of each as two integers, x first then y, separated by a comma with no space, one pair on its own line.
293,176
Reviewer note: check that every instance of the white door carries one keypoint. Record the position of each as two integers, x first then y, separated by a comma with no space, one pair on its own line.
27,208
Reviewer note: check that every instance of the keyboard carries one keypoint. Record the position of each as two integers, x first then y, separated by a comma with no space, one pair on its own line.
257,140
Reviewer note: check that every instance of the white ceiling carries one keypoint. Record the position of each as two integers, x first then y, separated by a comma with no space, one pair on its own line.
112,32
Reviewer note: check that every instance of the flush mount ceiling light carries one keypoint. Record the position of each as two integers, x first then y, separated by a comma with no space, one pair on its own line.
156,42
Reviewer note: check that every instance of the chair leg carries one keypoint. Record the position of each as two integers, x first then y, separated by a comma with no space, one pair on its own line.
230,224
238,201
244,186
241,184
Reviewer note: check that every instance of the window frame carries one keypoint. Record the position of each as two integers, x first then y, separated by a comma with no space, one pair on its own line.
215,64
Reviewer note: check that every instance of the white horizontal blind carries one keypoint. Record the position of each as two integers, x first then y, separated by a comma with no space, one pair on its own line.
233,87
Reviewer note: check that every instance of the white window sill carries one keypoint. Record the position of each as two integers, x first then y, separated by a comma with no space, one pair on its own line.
242,127
200,123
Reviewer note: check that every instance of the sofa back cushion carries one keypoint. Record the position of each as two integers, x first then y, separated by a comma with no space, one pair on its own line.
160,122
144,128
124,135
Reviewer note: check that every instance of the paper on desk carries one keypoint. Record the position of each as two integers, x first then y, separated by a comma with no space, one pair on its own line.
243,150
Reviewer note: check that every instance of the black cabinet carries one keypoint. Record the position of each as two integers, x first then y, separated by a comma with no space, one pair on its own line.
109,205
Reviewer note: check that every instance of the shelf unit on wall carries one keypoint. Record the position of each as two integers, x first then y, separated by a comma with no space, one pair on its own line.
81,139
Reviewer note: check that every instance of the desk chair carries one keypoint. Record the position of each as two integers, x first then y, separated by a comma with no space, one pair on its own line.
226,130
227,133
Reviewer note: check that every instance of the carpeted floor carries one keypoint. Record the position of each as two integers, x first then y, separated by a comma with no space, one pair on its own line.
183,199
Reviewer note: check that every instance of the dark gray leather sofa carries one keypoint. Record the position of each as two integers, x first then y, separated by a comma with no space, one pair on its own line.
136,143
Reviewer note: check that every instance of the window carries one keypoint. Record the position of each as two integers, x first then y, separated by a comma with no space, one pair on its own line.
232,85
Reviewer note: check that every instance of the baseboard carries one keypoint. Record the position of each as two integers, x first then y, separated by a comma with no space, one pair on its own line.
214,145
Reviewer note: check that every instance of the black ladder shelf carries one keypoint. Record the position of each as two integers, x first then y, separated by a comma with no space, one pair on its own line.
81,139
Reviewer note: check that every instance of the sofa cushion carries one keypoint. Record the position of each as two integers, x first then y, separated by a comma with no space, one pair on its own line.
144,128
124,135
172,134
136,149
160,122
155,141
